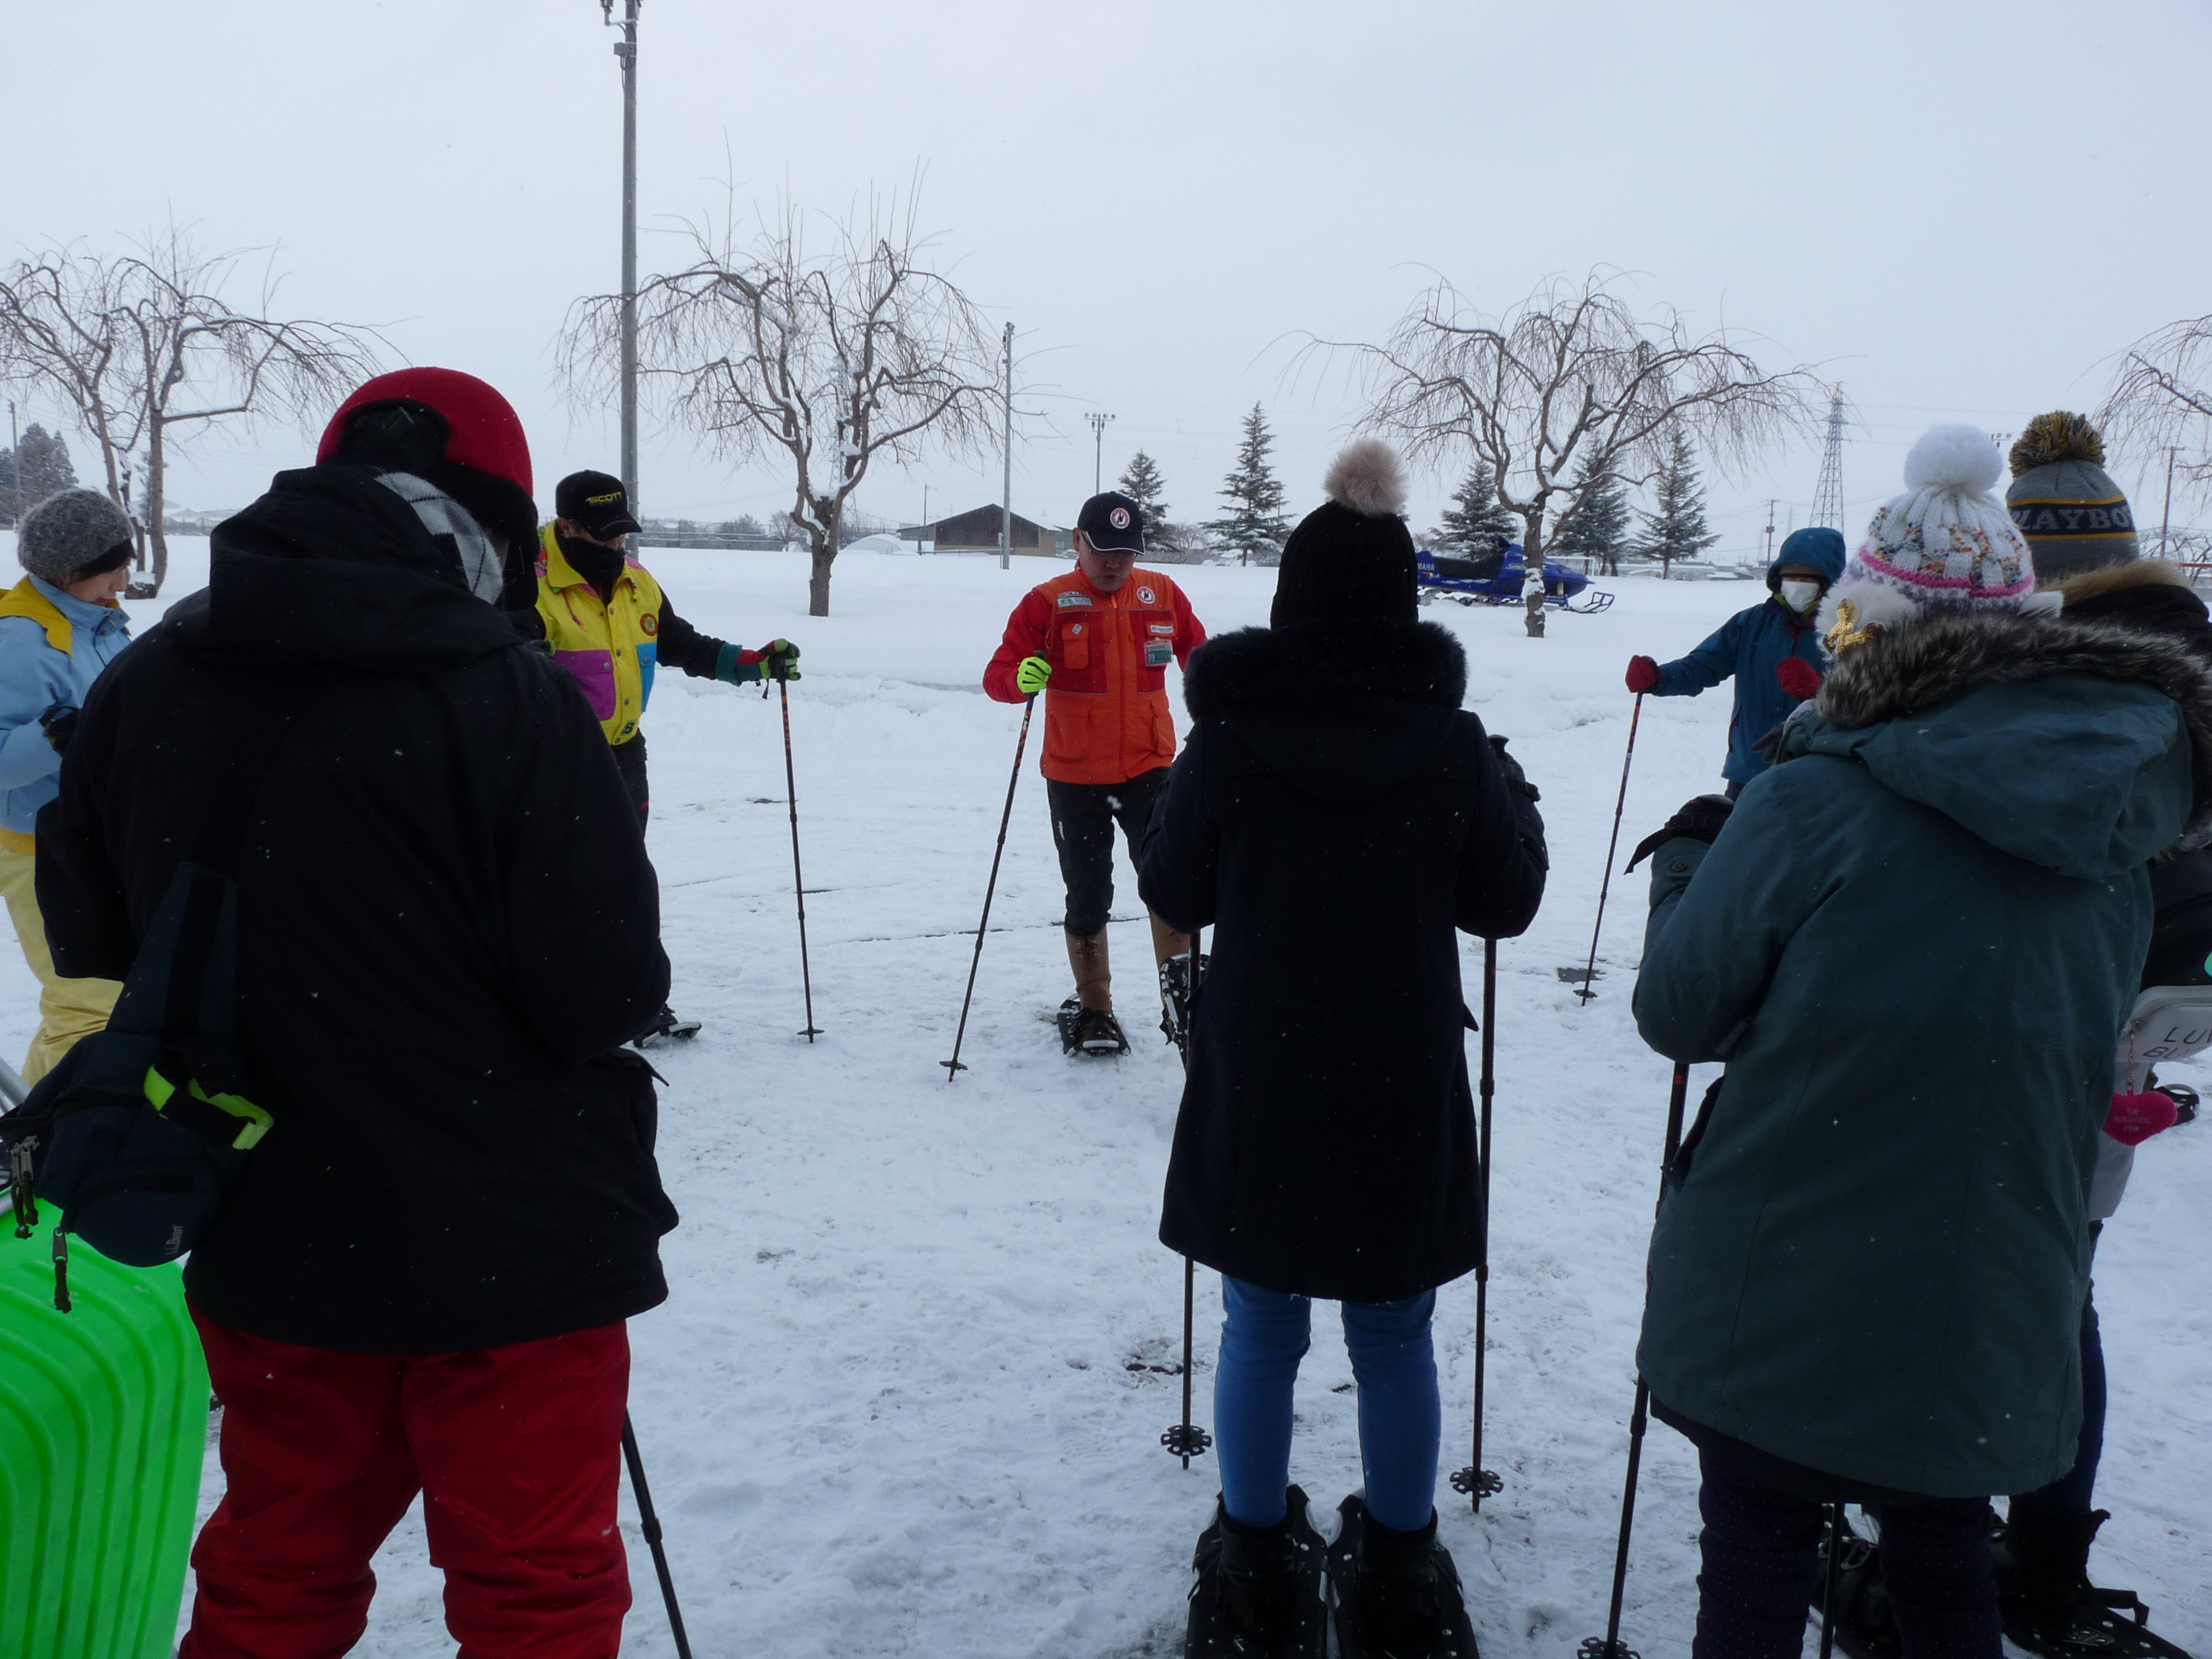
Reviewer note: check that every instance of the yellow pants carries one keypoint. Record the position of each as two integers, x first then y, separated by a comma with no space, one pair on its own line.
68,1008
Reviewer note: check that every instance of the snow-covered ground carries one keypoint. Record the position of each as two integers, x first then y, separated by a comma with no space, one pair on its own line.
890,1406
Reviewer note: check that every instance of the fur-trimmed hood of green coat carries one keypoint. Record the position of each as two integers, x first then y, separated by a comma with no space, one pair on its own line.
1913,944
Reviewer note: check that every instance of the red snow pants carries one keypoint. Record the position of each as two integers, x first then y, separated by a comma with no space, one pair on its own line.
516,1449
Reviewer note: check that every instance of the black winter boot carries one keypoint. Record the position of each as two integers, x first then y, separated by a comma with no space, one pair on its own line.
1257,1590
1397,1594
2044,1594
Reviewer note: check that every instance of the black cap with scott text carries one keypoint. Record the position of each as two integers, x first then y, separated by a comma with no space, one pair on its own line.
1112,523
596,503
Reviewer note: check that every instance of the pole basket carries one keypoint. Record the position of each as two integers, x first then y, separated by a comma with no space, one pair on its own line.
1477,1483
1597,1647
1186,1441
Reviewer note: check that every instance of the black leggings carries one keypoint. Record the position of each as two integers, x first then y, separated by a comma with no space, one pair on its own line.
1759,1549
1083,819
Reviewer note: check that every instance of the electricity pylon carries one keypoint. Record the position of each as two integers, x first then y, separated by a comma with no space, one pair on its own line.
1828,494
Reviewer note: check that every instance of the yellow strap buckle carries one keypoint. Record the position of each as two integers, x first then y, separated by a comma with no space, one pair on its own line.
161,1091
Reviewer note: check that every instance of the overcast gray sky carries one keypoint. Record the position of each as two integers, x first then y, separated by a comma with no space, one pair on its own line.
1959,211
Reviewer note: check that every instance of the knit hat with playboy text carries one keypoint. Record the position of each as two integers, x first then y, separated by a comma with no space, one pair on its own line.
2064,503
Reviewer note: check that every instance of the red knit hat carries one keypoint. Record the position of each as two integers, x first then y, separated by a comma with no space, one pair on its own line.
485,434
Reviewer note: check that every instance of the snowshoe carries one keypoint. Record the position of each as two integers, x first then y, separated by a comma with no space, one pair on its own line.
666,1028
1092,1031
1866,1628
1178,991
1256,1593
1395,1595
2048,1605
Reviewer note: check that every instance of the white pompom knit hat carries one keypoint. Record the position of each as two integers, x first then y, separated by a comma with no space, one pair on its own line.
1946,543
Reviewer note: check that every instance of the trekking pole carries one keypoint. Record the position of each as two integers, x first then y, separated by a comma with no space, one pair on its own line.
1475,1481
798,881
952,1066
1828,1591
649,1524
1186,1440
1609,1646
1611,847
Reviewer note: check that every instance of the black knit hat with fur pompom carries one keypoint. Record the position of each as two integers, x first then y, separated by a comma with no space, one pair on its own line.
1352,558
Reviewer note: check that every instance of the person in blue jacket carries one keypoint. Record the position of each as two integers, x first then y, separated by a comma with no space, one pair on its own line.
59,627
1756,645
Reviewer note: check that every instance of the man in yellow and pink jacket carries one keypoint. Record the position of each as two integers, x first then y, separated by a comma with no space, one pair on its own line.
607,622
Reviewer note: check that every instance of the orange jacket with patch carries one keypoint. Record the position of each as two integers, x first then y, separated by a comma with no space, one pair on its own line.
1106,716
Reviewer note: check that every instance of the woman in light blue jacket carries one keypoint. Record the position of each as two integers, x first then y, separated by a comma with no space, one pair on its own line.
59,628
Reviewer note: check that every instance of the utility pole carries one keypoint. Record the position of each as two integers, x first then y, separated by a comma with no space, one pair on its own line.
1097,450
16,448
2167,518
1006,506
1770,529
626,50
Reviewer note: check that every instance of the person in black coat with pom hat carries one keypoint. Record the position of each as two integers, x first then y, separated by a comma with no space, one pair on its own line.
1337,818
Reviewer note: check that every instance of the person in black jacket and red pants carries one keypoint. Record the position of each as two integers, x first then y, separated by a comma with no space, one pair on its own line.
447,927
1338,819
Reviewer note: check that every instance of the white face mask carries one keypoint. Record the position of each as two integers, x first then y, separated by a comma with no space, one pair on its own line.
1801,596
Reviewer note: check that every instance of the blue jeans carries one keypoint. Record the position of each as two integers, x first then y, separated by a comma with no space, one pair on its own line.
1264,1335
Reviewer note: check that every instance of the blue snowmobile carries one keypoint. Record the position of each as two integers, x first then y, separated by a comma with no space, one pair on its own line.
1495,578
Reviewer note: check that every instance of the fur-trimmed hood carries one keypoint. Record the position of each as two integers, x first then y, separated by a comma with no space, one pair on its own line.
1341,713
2146,595
2056,759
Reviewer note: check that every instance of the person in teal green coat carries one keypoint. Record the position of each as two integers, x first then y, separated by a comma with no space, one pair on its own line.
1913,943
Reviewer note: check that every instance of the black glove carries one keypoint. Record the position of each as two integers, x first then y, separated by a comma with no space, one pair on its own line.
1700,819
1527,821
1515,779
59,724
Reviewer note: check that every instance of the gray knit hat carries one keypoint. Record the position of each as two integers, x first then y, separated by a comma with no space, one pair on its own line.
2073,514
69,531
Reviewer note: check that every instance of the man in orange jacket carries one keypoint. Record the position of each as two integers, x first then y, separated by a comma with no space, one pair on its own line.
1096,642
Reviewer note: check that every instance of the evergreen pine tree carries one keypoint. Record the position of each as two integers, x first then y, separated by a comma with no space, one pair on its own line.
33,470
1143,485
1676,529
1598,529
1253,527
1476,522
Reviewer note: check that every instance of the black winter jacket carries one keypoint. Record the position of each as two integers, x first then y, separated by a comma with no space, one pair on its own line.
447,924
1334,816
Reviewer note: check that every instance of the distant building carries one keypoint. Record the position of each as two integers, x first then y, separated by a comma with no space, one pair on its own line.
977,531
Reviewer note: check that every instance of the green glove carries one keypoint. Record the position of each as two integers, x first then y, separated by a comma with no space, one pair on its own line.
775,661
1031,676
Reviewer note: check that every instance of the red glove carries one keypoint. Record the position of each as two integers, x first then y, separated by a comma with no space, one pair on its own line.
1798,678
1643,674
2136,1118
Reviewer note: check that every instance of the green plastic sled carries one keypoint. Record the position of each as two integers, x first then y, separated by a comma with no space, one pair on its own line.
103,1426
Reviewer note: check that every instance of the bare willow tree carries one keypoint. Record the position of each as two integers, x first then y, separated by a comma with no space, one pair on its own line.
1570,390
822,362
144,348
2161,399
